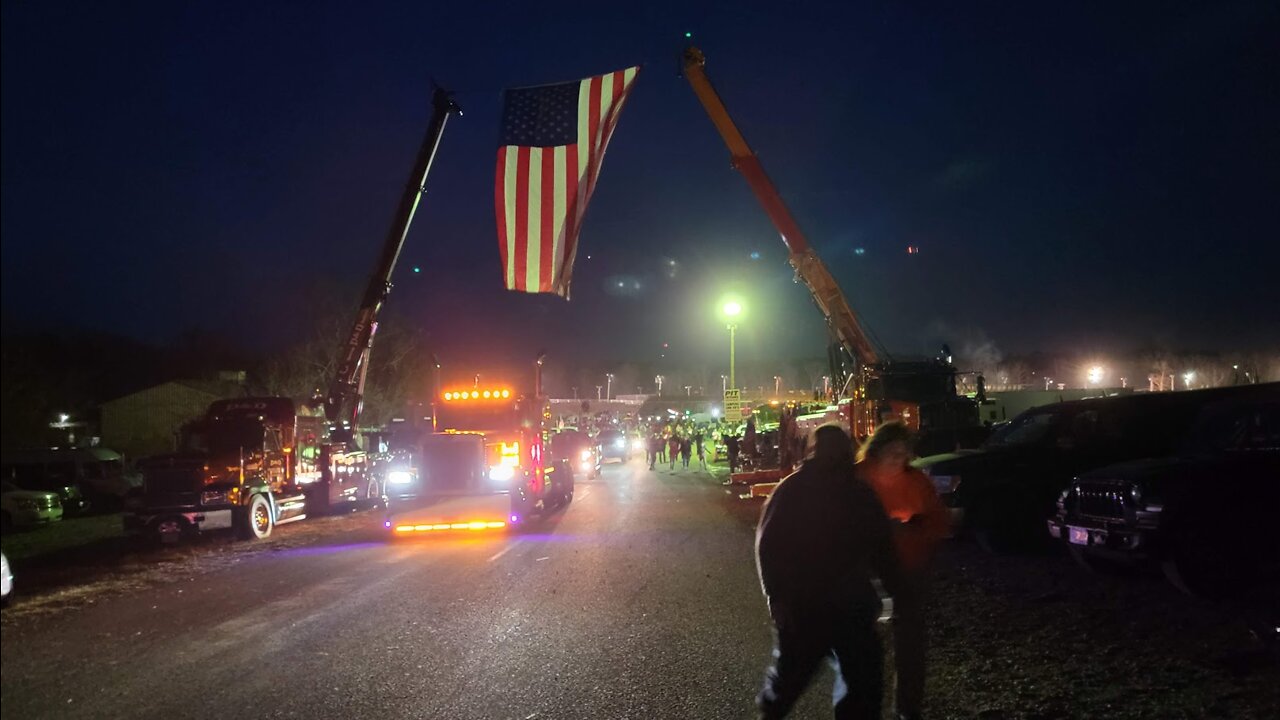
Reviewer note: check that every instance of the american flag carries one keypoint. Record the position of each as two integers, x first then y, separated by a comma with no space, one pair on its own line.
553,141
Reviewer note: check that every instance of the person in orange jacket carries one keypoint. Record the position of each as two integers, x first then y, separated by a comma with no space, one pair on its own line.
920,521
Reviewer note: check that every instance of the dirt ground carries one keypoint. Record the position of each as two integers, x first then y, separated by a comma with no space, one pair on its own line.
1036,636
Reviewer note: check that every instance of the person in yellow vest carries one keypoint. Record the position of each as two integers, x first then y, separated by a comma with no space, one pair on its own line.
919,521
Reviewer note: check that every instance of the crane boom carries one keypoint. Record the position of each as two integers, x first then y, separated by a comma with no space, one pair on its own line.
810,269
345,396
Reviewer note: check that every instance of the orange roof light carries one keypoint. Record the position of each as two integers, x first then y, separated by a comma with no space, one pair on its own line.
487,393
506,393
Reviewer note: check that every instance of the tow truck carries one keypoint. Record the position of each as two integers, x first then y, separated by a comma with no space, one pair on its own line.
491,464
256,462
871,387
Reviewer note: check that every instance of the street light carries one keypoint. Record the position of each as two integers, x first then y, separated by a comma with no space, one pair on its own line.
657,379
731,308
777,385
1096,373
1188,377
608,393
724,382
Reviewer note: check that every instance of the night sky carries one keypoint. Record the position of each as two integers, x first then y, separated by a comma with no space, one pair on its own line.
1102,178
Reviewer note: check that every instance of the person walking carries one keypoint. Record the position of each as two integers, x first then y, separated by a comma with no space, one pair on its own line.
655,448
702,451
823,537
673,449
686,451
919,521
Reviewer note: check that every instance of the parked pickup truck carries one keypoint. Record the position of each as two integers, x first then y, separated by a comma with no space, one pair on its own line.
1003,492
1205,514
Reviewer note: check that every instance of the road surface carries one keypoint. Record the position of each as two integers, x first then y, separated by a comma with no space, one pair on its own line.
638,601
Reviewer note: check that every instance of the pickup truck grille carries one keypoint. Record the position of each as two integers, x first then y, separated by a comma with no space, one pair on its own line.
171,499
172,480
1101,501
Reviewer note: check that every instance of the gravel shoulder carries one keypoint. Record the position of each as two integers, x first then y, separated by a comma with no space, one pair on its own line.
1036,636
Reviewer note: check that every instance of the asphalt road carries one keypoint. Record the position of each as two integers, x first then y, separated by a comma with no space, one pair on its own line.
638,601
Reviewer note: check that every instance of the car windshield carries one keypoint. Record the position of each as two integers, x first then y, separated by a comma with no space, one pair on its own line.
1241,430
1024,430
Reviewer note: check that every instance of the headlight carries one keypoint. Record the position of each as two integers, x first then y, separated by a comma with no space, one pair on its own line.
1135,493
586,454
501,473
637,445
399,477
619,443
215,497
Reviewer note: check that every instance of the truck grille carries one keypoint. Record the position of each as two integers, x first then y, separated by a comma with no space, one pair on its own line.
172,480
171,499
1101,501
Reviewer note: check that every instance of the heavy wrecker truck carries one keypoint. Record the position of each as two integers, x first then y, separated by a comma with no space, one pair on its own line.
870,386
252,463
492,463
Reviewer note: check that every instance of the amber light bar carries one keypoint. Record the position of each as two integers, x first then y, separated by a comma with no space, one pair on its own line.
496,394
472,525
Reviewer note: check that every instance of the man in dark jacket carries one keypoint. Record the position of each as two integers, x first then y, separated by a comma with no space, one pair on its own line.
823,537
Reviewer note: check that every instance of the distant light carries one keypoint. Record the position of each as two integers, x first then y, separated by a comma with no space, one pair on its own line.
63,417
417,269
755,254
688,35
1096,373
733,308
859,251
913,250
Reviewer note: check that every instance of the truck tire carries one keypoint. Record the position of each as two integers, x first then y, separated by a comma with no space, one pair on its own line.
254,522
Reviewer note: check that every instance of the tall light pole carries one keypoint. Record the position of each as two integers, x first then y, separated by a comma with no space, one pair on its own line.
724,382
777,385
657,380
608,379
732,310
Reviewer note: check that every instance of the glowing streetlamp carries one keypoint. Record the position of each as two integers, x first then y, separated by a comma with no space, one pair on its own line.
731,309
1188,377
1096,374
657,380
608,379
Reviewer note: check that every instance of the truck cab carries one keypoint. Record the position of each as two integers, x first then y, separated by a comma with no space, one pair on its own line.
249,464
489,466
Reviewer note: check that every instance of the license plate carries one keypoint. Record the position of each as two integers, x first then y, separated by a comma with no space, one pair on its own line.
1077,536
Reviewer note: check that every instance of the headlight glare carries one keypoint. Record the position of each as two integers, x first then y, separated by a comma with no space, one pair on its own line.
399,477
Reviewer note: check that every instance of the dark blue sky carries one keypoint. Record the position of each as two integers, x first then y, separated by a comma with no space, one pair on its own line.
1076,178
